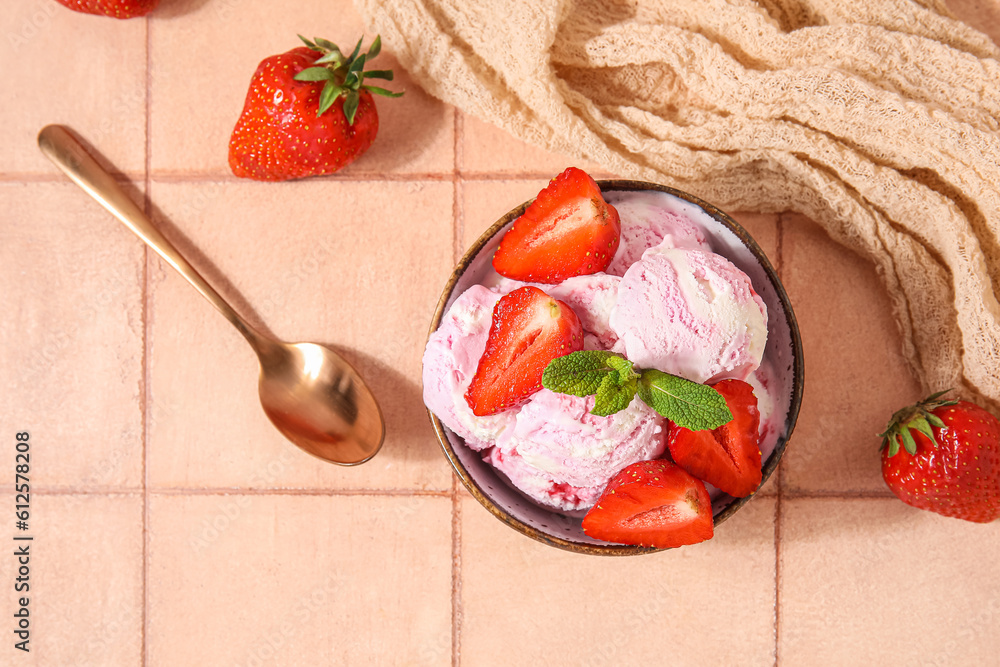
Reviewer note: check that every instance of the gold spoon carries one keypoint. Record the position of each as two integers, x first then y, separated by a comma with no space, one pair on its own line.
310,393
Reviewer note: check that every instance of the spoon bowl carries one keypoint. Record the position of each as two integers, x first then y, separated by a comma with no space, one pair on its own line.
311,394
344,423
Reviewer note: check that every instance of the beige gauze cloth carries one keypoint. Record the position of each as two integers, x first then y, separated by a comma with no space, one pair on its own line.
878,119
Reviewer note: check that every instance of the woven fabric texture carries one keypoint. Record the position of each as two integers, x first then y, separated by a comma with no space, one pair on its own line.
878,119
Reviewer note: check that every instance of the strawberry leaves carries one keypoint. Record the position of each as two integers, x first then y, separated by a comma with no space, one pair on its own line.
951,462
344,75
920,417
614,382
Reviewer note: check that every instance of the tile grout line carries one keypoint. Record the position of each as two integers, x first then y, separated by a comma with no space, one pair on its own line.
118,176
331,493
458,232
359,177
146,308
385,493
233,491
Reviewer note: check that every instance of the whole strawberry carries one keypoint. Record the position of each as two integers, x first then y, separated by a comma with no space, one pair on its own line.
944,456
308,112
119,9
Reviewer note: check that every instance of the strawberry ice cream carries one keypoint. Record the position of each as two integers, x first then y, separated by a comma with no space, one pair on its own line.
666,301
690,313
539,486
592,297
450,360
649,219
558,439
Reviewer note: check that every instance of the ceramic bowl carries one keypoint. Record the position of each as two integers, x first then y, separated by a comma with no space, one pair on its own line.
783,352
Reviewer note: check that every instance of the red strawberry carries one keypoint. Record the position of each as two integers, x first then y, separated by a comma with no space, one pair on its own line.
652,504
727,457
569,230
529,330
308,112
119,9
944,456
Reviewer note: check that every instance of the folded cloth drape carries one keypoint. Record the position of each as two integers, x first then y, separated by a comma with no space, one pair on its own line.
876,118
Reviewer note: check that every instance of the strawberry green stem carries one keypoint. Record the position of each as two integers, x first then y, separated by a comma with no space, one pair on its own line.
344,75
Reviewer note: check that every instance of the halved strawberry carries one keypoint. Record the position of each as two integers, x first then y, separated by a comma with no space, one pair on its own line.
727,457
652,504
529,330
569,230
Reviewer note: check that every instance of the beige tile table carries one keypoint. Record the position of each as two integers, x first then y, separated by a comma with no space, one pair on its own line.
173,526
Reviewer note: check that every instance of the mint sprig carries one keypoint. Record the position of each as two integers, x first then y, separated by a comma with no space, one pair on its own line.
614,381
688,404
580,373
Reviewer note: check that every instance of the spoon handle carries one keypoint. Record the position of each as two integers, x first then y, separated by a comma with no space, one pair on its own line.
66,152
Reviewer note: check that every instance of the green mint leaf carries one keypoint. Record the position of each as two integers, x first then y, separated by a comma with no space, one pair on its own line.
614,395
688,404
624,367
579,373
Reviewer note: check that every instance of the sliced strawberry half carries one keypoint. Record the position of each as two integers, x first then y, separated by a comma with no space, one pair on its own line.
529,330
652,504
727,457
569,230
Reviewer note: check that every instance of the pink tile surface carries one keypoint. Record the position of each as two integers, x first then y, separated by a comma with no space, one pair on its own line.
299,580
84,579
851,568
172,525
71,351
613,611
107,105
836,448
488,150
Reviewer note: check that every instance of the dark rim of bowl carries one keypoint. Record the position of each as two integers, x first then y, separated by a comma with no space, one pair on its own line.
798,375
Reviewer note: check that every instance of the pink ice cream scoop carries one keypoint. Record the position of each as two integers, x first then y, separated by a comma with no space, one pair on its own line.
451,359
590,296
648,219
556,437
538,485
691,313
